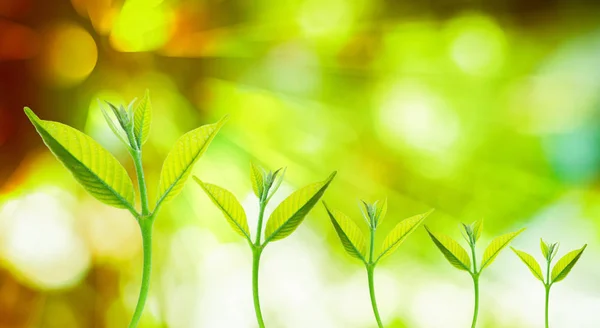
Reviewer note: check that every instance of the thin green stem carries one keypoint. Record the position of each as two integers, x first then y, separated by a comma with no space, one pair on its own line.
137,160
146,229
547,285
475,276
261,214
547,301
370,271
256,252
476,310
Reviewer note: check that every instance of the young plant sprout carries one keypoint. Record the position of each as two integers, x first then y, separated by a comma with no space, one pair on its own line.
559,272
284,220
99,172
355,244
459,258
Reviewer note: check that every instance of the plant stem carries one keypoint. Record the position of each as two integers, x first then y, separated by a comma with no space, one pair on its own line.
146,229
137,160
547,285
547,299
256,252
476,310
475,276
261,214
370,270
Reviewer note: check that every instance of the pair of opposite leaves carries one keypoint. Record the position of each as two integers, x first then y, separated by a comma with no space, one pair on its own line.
561,268
101,174
284,220
354,241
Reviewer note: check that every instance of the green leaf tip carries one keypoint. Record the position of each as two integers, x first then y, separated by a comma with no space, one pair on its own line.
565,264
30,114
400,232
452,251
178,164
96,169
229,206
291,212
531,263
349,233
497,245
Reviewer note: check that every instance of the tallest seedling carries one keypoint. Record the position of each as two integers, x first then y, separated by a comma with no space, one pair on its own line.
105,178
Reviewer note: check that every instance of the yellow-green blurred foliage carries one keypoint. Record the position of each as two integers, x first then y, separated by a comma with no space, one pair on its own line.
483,108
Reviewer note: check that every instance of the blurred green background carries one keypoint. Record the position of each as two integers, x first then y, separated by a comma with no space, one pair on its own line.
476,108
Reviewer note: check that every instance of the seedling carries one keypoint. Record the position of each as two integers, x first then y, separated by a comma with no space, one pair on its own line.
354,242
284,220
99,172
559,272
459,258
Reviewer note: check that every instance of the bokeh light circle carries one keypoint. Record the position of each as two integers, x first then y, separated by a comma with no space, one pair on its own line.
69,55
41,244
477,44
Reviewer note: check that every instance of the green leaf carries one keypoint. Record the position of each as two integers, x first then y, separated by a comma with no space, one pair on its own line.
257,174
565,264
142,117
179,162
496,246
97,170
289,214
350,234
380,211
545,249
277,183
477,229
399,233
229,205
112,126
453,252
531,263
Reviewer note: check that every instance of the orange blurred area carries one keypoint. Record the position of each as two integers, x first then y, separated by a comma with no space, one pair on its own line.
484,108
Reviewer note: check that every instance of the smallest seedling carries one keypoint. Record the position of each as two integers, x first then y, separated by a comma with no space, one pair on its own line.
560,270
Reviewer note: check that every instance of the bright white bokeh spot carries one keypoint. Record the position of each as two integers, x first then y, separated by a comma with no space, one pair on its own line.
413,115
41,244
477,44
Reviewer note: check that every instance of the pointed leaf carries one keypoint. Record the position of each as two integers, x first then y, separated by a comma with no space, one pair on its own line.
276,184
229,205
381,211
453,252
257,174
179,162
496,246
531,263
545,249
350,234
399,233
113,127
565,264
477,229
97,170
142,117
290,213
